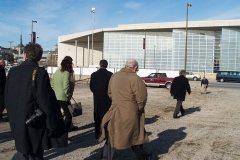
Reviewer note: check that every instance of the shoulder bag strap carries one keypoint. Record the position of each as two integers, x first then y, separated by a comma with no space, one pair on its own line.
73,99
33,86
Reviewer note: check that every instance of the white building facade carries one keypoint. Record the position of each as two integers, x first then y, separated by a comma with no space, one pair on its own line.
211,46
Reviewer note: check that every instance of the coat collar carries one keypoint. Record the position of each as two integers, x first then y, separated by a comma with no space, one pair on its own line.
29,62
102,69
126,70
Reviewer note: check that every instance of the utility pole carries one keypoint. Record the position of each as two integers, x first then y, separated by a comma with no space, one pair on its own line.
185,56
10,44
93,19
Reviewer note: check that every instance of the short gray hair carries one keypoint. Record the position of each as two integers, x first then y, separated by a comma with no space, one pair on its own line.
131,63
182,72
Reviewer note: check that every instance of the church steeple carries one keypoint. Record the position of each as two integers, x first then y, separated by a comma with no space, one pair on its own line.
21,38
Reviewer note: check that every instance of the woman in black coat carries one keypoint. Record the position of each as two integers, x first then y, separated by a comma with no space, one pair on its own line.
30,141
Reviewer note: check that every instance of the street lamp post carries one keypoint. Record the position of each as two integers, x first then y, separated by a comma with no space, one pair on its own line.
32,30
93,13
144,47
185,58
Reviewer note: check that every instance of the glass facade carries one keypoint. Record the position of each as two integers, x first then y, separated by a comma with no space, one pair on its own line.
207,51
230,50
200,50
121,46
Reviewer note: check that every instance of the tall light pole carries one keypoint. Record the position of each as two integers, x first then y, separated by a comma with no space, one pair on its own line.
93,13
185,58
144,47
32,30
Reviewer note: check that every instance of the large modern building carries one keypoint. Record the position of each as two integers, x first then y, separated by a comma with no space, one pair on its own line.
211,46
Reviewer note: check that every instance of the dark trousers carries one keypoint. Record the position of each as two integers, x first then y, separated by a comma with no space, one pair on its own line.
108,151
31,156
97,123
178,108
2,104
67,114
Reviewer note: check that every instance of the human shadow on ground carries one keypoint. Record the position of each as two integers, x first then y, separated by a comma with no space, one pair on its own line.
161,145
205,93
192,110
5,136
82,140
125,154
151,120
85,127
165,141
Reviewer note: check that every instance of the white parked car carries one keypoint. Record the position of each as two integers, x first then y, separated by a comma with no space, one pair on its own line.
192,76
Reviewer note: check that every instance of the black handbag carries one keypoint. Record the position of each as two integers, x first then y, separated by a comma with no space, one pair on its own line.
75,109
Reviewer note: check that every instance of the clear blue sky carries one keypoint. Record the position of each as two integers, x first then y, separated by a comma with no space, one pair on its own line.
60,17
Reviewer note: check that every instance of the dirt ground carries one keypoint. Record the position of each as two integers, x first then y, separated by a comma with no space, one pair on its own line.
209,130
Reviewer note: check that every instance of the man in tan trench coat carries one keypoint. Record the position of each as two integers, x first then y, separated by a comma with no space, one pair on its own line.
123,124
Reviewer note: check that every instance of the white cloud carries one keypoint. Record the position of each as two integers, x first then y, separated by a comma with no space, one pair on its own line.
230,14
6,29
132,5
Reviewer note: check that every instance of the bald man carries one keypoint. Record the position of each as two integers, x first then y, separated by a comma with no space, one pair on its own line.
123,124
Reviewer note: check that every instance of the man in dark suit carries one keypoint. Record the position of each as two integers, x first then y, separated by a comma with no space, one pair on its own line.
2,87
99,86
178,90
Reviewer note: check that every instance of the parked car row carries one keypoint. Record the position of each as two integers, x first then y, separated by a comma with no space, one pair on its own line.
224,76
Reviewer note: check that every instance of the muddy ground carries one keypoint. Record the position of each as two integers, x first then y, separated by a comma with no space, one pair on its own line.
209,130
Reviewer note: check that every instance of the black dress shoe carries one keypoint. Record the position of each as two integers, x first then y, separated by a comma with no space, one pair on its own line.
183,113
175,117
149,157
4,120
74,128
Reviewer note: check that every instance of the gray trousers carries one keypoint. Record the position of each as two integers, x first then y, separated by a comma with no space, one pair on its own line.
204,88
178,107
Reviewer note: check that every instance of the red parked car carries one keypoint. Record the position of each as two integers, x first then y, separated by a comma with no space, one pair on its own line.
158,79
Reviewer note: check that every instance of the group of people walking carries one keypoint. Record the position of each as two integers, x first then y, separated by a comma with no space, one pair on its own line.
34,106
119,110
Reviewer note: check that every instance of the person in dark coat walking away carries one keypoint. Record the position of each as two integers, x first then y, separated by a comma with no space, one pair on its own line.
99,86
30,141
204,85
178,90
2,87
